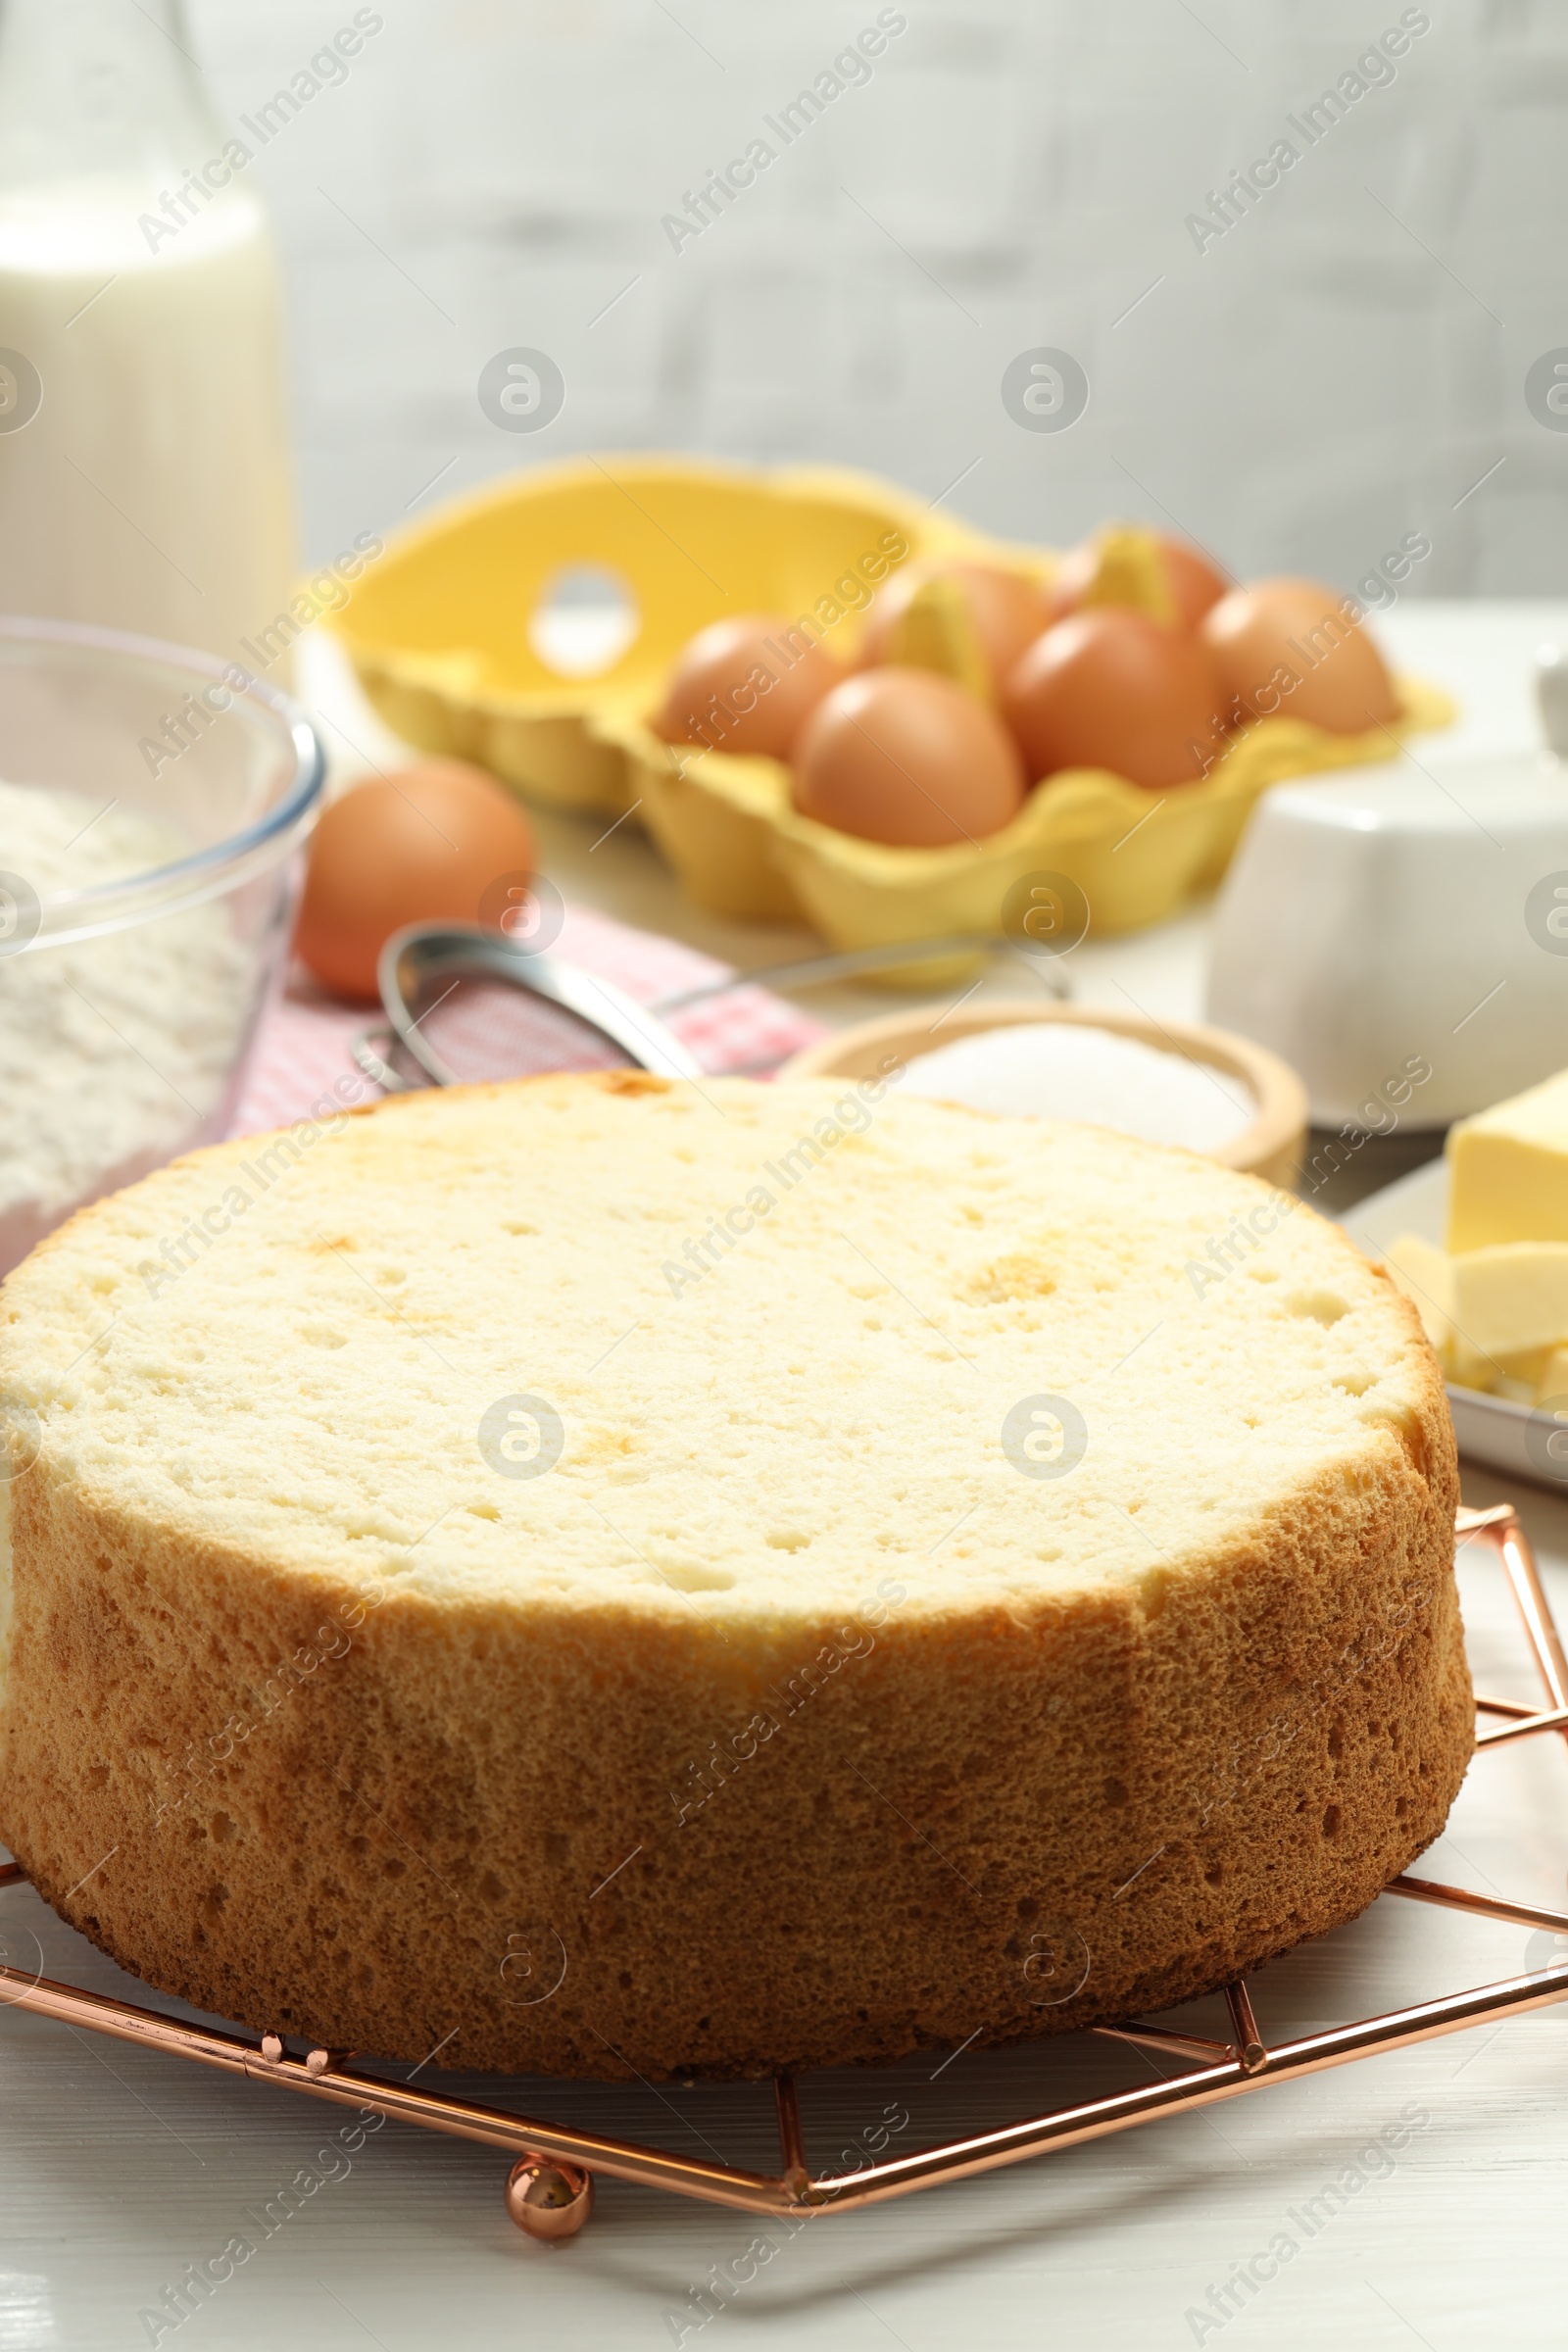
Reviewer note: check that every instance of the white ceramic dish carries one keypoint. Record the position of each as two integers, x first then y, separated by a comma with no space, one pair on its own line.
1493,1429
1402,914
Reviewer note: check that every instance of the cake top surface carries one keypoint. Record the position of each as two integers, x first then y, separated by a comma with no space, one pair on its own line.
719,1351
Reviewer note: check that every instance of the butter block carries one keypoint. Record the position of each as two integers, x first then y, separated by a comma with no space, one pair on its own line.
1517,1376
1425,1274
1509,1171
1511,1297
1497,1317
1528,1368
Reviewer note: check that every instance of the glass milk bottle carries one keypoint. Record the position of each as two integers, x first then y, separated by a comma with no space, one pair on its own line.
144,471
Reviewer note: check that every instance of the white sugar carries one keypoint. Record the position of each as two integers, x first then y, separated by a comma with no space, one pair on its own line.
1061,1071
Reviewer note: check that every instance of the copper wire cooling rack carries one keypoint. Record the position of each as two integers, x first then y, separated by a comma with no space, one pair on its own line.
549,2188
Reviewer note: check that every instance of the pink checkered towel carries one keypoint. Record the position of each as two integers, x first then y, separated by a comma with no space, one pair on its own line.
302,1048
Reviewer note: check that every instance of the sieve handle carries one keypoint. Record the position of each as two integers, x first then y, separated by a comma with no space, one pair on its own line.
426,952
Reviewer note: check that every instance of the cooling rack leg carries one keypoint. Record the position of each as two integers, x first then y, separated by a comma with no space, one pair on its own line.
791,2141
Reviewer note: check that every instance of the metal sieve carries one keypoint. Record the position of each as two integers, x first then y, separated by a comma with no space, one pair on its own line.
466,1005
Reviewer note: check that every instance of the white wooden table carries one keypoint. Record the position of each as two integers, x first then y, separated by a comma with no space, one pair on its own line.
118,2167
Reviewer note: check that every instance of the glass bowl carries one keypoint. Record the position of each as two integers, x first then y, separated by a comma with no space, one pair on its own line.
153,804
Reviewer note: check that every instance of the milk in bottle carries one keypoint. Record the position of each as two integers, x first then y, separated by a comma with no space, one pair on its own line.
144,474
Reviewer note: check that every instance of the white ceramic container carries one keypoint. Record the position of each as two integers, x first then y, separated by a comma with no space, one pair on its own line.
1412,913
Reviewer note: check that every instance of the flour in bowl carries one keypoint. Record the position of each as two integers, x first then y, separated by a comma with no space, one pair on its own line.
1061,1071
113,1052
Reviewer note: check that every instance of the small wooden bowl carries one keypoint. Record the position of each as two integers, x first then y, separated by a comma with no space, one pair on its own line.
1270,1147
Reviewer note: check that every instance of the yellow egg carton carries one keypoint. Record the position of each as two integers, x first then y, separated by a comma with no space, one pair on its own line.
727,827
439,634
439,630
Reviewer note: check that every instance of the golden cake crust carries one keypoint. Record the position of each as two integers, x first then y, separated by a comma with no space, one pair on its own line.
603,1833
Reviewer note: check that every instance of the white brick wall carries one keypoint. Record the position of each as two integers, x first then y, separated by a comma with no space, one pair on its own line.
1309,388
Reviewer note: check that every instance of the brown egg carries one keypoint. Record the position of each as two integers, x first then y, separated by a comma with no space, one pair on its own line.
1292,647
1193,582
1007,610
904,756
409,848
747,685
1109,688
